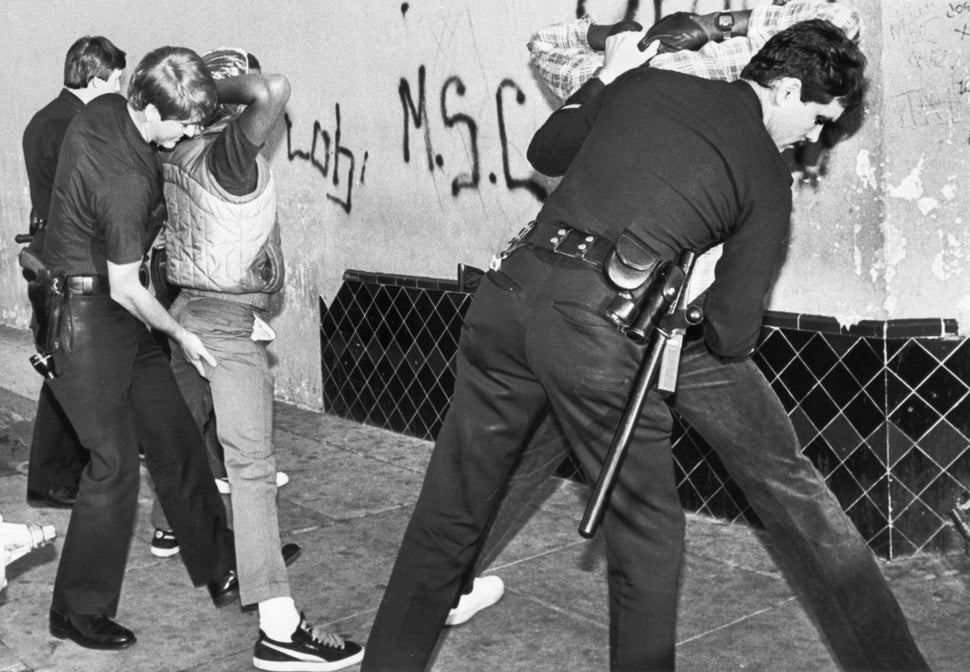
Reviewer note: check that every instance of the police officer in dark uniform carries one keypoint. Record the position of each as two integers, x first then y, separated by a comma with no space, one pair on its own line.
93,66
658,163
113,381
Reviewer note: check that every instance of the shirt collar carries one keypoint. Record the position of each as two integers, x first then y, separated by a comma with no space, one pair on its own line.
71,98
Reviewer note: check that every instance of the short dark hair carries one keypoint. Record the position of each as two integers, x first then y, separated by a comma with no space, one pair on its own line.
90,57
176,82
828,63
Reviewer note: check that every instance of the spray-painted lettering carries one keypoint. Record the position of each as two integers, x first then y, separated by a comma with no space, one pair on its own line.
414,109
319,157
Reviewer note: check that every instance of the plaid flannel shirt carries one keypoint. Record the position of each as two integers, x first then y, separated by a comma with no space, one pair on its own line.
565,60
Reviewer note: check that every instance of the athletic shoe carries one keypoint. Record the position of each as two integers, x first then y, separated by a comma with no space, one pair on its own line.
305,652
164,543
486,591
222,484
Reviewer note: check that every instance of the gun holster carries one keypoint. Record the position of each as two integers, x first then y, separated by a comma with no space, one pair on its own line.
48,300
631,262
632,267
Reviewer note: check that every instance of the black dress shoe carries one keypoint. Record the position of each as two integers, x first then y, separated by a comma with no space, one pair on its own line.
290,553
91,631
57,498
225,589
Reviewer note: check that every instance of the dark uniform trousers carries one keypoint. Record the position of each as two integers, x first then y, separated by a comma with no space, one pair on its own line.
56,455
817,547
117,389
536,339
733,407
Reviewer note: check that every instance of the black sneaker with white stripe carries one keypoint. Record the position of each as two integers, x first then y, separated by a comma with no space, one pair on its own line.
305,653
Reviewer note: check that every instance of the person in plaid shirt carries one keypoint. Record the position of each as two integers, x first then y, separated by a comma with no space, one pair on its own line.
565,60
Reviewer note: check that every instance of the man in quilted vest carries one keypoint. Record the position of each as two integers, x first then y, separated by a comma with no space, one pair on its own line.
223,246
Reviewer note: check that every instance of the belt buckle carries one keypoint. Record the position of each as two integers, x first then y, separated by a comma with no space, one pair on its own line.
579,248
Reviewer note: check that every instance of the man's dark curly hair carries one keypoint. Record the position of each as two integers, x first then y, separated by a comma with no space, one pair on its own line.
827,62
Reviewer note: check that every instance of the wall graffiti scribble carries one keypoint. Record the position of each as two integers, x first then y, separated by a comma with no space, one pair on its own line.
528,184
313,157
419,114
415,114
464,180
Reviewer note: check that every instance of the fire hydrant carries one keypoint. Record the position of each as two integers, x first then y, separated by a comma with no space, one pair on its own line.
19,539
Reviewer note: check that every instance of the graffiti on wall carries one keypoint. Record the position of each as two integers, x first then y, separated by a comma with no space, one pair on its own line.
338,164
326,154
935,41
414,112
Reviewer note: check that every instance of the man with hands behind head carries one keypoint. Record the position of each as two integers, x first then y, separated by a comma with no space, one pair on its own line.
223,250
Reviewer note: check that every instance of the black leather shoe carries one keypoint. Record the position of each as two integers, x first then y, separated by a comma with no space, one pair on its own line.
57,498
91,631
290,553
225,589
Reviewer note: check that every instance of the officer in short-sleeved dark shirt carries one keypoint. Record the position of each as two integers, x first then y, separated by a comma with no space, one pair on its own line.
114,381
108,191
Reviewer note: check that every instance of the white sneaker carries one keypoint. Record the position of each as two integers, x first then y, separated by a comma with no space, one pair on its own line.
222,484
486,591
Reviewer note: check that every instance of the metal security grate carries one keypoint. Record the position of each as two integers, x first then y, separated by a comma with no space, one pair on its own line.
886,420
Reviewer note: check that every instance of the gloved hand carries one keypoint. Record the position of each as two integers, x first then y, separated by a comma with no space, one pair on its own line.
676,31
596,34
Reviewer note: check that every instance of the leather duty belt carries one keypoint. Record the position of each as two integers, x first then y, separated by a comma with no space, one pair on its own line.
87,285
566,241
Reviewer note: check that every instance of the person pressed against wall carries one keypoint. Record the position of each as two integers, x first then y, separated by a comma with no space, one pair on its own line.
223,247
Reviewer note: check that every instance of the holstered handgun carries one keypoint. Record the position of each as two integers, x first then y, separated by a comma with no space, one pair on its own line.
32,267
629,268
48,299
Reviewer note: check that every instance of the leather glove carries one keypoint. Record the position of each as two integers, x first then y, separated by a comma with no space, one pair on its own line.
676,31
596,34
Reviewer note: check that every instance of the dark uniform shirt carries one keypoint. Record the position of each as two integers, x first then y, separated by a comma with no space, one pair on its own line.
42,144
107,200
683,163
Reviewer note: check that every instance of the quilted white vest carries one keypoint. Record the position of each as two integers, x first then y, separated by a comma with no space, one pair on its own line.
216,241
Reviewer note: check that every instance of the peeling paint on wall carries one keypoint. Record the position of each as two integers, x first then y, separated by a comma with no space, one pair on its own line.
911,188
948,262
864,169
949,190
926,205
856,251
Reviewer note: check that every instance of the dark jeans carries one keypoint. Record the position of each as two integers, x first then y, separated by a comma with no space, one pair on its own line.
56,455
535,339
117,389
820,551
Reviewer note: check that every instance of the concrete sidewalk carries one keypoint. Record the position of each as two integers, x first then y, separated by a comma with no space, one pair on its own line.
347,502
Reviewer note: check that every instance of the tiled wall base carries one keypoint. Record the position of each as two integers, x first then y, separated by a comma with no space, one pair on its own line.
881,408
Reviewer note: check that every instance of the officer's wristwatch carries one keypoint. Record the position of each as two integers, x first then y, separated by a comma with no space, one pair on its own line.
725,24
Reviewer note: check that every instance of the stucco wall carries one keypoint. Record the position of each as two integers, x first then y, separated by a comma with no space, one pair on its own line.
360,186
